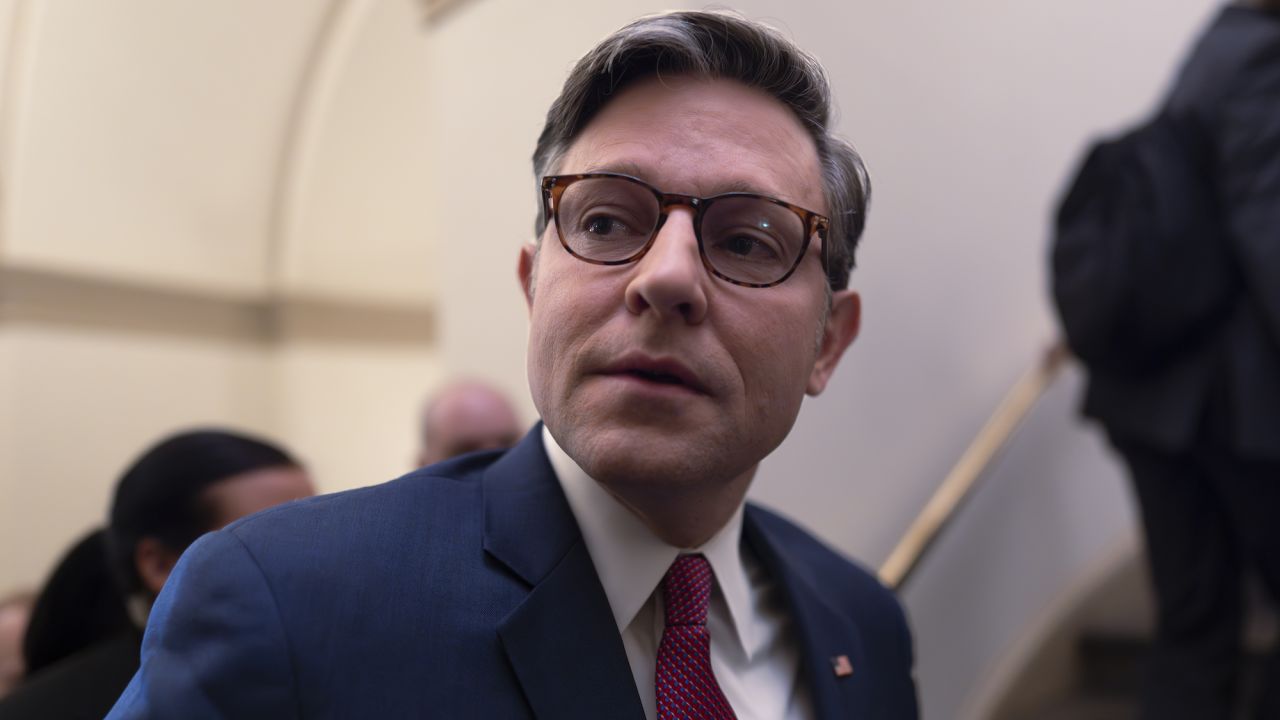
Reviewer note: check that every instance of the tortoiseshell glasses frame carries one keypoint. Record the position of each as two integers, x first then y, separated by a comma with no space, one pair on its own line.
809,224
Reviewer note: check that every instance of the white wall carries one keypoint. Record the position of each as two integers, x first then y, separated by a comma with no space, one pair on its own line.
969,116
1052,515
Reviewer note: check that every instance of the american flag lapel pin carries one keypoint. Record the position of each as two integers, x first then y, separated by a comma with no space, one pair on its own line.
841,666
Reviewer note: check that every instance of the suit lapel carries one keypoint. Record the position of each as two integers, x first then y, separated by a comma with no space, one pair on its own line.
824,632
562,641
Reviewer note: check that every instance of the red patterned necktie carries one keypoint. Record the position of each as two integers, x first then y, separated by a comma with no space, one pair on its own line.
685,686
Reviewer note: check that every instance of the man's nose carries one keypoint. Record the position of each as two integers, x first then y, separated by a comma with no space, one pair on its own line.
670,280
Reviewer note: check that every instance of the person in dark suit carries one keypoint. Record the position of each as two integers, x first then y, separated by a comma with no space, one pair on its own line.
686,289
1198,420
83,642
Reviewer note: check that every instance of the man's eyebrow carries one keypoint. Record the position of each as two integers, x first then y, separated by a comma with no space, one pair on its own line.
719,187
624,167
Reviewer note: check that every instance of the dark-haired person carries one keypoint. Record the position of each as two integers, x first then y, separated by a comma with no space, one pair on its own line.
179,489
80,605
686,290
1202,435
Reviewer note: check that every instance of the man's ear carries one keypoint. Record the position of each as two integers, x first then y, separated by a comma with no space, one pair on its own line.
525,269
154,561
842,327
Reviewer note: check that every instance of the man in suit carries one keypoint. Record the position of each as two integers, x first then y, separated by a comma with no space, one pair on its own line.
686,289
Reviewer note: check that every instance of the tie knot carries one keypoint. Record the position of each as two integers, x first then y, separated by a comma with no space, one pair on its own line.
686,590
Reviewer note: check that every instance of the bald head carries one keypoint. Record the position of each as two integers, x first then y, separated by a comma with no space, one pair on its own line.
466,417
15,613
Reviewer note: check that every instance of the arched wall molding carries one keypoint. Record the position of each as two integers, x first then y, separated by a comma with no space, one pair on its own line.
282,300
326,60
436,10
23,17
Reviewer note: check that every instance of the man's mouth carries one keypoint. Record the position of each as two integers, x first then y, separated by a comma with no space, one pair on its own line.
657,371
658,377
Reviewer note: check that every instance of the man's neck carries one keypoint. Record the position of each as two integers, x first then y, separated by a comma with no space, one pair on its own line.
680,515
683,518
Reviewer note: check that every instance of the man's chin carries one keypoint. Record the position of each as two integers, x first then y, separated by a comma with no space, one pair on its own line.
652,456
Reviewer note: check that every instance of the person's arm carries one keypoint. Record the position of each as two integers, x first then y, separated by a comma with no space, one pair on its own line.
215,645
1248,176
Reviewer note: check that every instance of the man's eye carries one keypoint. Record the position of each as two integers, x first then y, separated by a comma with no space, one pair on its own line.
604,225
748,247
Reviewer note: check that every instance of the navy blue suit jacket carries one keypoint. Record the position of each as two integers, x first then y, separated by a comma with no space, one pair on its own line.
463,590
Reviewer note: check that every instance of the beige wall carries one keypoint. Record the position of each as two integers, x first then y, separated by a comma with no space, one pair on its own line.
81,402
211,213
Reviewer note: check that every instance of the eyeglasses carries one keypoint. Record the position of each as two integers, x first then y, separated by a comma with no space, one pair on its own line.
744,238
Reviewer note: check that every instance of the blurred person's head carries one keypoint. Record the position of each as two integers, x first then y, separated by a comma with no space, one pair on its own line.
15,611
465,417
687,287
78,606
187,485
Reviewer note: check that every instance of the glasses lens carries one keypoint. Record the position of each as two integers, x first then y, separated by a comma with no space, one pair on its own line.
606,219
752,240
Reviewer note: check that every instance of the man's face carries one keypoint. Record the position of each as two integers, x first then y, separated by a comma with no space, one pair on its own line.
657,373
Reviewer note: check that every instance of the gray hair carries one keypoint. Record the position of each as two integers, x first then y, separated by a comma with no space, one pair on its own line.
717,44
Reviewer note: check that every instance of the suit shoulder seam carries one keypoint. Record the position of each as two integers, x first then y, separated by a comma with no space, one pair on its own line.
284,630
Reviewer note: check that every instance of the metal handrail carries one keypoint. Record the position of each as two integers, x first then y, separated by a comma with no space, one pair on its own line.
960,482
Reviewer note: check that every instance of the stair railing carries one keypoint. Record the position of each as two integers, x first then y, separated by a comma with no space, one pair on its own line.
959,484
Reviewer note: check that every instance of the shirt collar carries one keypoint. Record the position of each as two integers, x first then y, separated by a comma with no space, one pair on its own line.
631,561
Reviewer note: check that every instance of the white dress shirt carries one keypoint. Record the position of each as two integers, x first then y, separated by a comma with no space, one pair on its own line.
754,654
